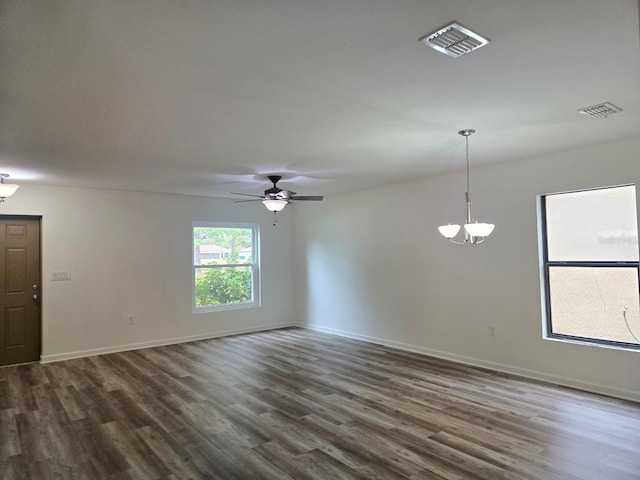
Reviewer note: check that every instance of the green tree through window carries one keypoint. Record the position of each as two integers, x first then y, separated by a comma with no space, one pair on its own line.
225,266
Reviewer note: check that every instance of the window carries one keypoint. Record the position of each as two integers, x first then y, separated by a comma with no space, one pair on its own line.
590,266
225,266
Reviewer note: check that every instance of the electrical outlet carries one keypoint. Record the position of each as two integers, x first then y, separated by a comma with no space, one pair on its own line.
492,330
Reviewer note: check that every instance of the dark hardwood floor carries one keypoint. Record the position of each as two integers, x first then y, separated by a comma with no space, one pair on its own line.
295,404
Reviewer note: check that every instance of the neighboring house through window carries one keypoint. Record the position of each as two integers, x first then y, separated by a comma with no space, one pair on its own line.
225,266
589,257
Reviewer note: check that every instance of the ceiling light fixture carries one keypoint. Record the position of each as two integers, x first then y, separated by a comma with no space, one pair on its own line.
6,189
274,204
474,232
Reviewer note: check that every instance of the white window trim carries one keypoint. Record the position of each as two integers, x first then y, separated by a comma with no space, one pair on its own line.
255,264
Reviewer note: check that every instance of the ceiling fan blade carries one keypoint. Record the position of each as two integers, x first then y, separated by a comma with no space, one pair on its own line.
246,194
278,194
308,198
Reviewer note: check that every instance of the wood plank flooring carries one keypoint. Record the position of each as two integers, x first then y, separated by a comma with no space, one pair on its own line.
295,404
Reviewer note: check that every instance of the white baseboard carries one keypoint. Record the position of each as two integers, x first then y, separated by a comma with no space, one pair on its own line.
157,343
624,394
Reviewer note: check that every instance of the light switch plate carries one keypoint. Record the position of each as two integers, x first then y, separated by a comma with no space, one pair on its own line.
60,276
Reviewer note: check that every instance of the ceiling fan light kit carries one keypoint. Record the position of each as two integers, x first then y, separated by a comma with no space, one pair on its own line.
276,198
274,204
474,232
6,189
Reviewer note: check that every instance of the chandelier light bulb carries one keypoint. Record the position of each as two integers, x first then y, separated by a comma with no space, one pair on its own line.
6,189
479,229
449,231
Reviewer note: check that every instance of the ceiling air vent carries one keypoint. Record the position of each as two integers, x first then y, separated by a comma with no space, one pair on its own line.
602,110
454,40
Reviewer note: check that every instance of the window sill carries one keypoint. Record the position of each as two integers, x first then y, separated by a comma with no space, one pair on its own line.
592,344
223,308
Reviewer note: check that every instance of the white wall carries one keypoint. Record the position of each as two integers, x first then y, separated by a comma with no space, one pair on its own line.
372,265
130,254
369,265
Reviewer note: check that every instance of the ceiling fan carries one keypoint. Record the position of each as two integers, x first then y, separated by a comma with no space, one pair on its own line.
275,198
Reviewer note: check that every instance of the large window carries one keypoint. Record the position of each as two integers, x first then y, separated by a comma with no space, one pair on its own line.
225,266
590,266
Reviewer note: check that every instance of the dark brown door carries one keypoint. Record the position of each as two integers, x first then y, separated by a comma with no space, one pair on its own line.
20,325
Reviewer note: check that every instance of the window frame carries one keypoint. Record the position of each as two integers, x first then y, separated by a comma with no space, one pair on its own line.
546,266
254,265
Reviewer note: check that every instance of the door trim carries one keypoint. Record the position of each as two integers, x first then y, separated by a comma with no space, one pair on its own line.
37,218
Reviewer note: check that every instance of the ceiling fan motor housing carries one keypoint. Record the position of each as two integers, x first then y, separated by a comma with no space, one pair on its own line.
275,191
272,191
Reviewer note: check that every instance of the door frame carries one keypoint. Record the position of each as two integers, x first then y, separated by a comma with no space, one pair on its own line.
38,218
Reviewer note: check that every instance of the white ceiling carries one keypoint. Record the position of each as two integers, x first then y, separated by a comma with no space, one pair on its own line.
206,97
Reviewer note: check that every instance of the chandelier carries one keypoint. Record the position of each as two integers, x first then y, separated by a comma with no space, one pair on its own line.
474,232
6,189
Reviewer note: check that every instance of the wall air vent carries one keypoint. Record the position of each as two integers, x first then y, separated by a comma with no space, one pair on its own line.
454,40
602,110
